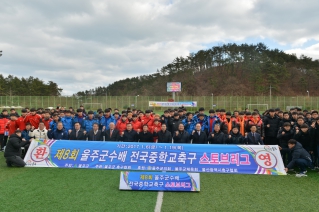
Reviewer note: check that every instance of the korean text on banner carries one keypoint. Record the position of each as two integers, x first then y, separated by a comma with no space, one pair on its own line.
159,181
238,159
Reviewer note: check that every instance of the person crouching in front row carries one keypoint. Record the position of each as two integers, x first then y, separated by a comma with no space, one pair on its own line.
13,151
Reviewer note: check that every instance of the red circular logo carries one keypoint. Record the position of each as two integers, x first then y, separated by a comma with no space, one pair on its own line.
266,159
40,153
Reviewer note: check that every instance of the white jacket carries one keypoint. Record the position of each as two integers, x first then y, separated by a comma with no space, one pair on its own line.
39,134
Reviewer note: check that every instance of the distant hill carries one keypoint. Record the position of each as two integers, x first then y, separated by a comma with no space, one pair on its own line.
229,69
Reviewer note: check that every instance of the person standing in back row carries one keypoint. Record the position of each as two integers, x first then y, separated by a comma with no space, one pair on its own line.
271,125
33,118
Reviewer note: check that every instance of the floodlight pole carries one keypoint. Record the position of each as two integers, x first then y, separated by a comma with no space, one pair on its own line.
173,93
106,99
136,101
270,96
212,101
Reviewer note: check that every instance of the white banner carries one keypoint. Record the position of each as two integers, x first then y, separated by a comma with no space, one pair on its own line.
172,104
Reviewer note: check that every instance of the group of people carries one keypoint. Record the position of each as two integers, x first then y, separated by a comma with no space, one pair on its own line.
274,127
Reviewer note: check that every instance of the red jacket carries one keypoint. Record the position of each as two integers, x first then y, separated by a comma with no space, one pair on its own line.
157,127
33,120
12,127
137,125
148,121
121,126
47,123
21,124
3,124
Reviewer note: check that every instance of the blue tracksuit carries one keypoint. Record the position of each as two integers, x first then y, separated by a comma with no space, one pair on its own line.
25,135
58,134
80,120
189,127
88,124
106,121
67,123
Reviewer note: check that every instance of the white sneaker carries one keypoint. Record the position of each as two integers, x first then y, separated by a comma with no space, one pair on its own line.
302,174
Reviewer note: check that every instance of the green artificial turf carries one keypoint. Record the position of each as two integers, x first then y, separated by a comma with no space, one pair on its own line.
230,192
57,189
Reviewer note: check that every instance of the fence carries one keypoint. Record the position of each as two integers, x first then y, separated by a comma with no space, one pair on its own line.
229,103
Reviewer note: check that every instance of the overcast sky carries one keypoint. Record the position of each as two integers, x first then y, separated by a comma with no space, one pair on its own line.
82,44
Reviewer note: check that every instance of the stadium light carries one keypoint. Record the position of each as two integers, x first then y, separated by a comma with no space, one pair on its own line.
0,53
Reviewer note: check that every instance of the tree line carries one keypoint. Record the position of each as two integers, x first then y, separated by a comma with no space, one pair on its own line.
14,86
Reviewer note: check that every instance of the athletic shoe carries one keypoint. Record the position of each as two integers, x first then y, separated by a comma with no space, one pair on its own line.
302,174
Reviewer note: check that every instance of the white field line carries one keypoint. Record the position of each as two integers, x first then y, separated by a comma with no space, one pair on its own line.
159,201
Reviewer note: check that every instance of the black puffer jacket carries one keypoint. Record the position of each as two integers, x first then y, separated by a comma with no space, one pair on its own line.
14,145
272,130
284,138
235,138
163,137
305,139
219,138
298,153
182,137
174,125
315,134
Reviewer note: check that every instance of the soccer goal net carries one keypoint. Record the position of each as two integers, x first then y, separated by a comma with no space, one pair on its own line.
260,107
92,106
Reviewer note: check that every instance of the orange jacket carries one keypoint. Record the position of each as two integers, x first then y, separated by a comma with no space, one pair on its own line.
232,122
241,123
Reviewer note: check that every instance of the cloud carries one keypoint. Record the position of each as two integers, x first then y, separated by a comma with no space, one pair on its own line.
311,51
81,44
